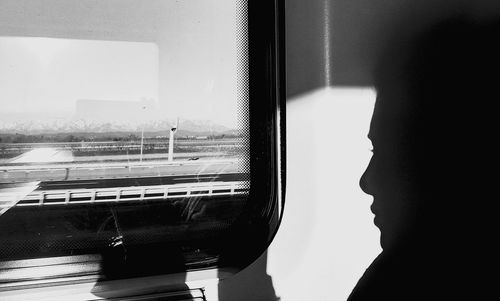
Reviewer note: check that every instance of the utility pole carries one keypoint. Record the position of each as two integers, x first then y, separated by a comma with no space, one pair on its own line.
171,141
142,134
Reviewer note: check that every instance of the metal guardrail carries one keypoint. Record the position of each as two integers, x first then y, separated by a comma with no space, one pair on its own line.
101,165
64,172
129,194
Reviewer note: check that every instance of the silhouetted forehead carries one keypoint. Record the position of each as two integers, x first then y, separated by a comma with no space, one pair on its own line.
376,132
392,121
430,89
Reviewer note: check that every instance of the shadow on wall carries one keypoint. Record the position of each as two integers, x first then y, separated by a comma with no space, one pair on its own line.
338,43
253,283
306,54
433,131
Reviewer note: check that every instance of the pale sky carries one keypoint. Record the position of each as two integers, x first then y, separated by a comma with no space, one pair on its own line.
182,54
47,75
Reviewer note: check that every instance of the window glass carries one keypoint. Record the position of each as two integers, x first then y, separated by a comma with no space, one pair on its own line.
122,126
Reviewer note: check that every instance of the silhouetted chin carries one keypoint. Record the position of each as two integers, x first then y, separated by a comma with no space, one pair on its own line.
388,238
385,241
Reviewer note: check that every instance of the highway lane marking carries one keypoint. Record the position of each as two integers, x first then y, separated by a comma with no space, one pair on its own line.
68,184
195,178
100,178
120,164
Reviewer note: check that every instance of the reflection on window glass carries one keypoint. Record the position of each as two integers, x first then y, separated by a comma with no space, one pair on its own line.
121,128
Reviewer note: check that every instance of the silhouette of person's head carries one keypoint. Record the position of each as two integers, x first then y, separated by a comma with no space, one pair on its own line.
432,133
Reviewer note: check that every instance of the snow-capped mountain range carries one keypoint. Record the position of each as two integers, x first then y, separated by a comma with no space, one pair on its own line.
79,126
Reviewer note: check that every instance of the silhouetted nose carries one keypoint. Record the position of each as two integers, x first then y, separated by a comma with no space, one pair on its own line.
363,181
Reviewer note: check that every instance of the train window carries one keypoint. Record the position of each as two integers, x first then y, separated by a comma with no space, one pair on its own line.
137,138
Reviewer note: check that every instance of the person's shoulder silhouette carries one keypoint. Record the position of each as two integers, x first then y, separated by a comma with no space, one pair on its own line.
433,132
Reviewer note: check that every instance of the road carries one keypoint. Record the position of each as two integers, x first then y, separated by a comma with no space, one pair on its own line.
143,181
107,171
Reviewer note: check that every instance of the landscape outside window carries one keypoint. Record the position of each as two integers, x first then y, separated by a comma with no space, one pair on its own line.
110,143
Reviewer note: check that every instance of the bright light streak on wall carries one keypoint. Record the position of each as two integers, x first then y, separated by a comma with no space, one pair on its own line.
327,220
327,39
